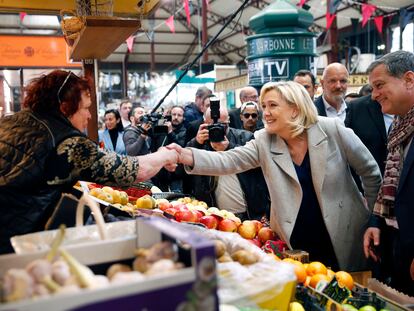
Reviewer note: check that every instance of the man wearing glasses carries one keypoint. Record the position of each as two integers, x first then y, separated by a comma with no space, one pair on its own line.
247,94
244,194
250,116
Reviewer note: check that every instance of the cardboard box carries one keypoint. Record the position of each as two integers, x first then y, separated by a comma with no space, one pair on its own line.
194,287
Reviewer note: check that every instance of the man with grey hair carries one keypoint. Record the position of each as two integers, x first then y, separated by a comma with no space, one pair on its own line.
194,111
247,94
392,81
243,194
334,85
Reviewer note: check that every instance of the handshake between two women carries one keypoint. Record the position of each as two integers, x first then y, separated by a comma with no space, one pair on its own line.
168,157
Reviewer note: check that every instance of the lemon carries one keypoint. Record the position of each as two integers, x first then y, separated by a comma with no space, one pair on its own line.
124,197
295,306
95,192
146,202
116,195
104,196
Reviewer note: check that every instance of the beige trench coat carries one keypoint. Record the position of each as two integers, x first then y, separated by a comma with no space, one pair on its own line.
332,149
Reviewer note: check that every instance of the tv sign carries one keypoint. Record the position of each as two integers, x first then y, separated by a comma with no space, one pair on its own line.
262,70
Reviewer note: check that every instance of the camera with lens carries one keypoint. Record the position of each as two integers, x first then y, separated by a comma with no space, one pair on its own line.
157,122
216,131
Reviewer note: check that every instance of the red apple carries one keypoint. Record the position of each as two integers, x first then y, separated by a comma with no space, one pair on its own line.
171,211
247,229
258,225
183,215
227,225
198,215
163,205
181,207
209,221
202,210
255,242
217,217
266,234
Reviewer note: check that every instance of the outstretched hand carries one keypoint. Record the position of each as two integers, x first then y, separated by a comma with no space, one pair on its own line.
185,154
151,164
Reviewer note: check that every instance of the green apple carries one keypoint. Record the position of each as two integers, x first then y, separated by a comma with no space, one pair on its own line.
367,308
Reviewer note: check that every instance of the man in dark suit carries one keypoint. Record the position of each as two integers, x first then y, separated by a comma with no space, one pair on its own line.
307,79
334,83
365,118
392,81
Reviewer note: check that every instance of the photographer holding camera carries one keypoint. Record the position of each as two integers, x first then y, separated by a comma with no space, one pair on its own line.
136,139
244,194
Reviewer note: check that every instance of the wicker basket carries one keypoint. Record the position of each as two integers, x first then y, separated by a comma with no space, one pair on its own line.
71,25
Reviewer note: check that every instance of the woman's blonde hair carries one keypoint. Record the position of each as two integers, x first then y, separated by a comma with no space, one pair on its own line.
295,95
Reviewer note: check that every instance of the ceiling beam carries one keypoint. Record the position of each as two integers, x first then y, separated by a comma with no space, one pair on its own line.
161,43
183,20
126,8
159,53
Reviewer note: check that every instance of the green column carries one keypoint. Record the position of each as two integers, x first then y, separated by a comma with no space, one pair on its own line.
282,44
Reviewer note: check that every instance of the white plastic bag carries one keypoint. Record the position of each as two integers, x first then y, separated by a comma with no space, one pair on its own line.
40,241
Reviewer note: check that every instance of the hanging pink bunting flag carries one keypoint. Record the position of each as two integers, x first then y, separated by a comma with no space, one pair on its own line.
367,10
301,3
130,43
329,19
378,20
187,11
170,23
22,15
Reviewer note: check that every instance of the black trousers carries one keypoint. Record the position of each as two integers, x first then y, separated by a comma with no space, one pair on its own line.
400,277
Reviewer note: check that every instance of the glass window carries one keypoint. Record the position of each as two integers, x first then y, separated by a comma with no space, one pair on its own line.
407,38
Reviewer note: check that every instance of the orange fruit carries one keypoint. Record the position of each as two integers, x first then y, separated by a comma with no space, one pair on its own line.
316,267
316,278
288,260
307,281
330,273
305,265
345,279
300,271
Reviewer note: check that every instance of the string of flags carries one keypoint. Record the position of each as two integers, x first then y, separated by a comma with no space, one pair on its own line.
170,21
368,11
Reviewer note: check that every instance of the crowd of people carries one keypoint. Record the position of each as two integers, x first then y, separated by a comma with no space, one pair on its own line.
332,174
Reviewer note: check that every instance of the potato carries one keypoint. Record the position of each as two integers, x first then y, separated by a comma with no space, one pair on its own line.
225,258
115,268
220,248
244,257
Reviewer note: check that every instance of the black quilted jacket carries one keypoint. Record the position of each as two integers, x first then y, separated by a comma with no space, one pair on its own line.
27,144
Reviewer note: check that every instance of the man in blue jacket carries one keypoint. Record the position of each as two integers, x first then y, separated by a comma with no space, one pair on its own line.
195,111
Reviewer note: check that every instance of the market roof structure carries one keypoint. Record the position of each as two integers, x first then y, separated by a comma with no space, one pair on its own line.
180,47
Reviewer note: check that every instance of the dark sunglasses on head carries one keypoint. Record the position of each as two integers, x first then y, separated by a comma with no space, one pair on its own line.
247,115
70,73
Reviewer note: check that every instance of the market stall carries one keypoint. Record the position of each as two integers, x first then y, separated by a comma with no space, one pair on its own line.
197,257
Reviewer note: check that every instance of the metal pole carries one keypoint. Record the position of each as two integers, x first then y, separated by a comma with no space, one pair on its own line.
210,42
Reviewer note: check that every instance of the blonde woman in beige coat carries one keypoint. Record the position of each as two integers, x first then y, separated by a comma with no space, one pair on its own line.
305,160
